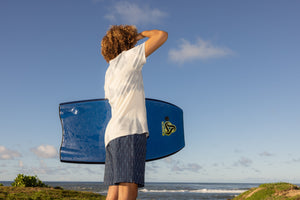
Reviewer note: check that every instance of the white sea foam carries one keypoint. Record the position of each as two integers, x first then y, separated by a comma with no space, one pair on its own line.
217,191
207,191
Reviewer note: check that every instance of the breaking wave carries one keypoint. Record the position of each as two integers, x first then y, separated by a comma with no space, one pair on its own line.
205,191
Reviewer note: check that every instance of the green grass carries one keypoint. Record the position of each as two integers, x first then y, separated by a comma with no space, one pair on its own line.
271,191
42,193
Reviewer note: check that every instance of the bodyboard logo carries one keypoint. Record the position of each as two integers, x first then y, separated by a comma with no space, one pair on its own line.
167,127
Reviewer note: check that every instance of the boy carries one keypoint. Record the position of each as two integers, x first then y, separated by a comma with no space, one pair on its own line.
127,131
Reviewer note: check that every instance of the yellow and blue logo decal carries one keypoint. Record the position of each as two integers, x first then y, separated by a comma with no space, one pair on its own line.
167,127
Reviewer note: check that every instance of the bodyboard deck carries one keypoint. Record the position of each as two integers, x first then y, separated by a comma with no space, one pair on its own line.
84,123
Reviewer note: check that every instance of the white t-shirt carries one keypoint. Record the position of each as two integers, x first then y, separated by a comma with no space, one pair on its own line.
124,89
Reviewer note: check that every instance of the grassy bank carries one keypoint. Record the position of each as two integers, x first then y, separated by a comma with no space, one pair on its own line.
272,191
45,193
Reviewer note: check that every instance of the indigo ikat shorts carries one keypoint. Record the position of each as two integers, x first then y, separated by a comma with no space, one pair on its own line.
125,160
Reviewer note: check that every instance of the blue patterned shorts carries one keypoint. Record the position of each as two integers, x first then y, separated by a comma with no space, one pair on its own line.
125,160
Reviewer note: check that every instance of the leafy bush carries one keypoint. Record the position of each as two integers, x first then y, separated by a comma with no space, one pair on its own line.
28,181
1,184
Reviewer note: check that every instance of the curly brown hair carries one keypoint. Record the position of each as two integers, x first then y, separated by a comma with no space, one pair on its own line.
117,39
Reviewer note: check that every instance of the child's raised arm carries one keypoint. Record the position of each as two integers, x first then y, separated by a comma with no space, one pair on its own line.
156,39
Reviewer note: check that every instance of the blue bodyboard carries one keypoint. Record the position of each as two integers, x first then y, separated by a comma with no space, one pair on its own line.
84,123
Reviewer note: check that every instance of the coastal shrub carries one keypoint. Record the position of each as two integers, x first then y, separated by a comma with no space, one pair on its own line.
28,181
45,193
58,188
1,184
262,194
271,191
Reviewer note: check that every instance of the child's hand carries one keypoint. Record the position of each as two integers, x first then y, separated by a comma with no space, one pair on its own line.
156,38
139,37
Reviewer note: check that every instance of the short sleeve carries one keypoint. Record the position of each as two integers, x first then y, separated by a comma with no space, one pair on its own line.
137,56
142,53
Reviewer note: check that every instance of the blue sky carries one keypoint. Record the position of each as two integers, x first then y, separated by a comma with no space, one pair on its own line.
232,66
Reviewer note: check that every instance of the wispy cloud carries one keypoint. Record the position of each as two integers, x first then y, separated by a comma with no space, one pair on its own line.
244,162
45,151
152,167
131,13
3,171
61,171
266,154
296,160
42,169
199,50
7,154
179,166
21,164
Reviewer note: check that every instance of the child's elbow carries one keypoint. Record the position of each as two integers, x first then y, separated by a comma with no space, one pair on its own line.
164,35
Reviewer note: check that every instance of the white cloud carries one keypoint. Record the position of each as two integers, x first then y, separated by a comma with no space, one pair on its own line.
199,50
152,167
7,154
130,13
21,164
3,171
179,166
193,167
45,151
296,160
266,154
245,162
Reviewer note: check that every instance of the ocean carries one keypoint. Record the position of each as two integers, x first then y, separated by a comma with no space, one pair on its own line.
168,191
